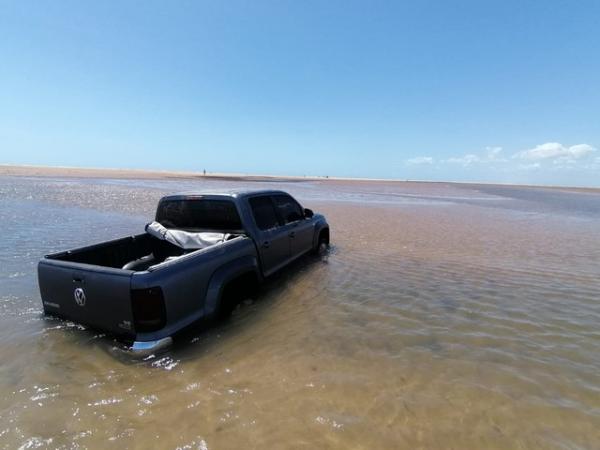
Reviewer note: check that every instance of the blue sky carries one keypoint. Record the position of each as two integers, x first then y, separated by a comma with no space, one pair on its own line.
505,91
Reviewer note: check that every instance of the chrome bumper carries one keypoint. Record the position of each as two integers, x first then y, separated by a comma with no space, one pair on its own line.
143,348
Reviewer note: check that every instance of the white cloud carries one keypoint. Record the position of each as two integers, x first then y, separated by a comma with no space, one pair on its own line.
555,150
420,160
491,154
548,157
465,160
594,164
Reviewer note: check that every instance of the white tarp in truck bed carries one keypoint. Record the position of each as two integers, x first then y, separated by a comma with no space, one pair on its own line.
185,239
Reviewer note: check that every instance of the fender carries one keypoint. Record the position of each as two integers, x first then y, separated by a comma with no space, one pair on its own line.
320,224
223,275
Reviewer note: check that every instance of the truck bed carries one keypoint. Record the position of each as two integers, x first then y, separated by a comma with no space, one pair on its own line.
119,252
90,286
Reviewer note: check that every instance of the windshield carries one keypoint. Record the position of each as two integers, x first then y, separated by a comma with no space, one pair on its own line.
199,214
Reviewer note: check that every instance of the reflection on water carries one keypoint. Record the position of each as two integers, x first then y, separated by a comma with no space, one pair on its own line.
445,316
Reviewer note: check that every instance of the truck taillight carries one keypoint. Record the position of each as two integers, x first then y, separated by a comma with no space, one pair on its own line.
148,307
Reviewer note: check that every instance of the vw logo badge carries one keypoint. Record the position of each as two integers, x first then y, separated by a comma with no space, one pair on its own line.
79,296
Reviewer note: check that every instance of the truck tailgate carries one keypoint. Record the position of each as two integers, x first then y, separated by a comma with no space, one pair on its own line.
96,296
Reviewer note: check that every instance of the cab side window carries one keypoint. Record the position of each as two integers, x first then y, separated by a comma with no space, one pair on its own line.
264,213
288,208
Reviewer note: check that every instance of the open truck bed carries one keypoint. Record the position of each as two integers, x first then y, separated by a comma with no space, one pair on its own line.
89,286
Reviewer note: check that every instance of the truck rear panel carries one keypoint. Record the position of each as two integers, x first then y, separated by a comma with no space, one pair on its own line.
96,296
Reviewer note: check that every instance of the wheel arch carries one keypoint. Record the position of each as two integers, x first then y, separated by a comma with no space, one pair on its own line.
322,229
227,274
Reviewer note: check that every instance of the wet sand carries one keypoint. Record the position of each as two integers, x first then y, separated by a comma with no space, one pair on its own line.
445,316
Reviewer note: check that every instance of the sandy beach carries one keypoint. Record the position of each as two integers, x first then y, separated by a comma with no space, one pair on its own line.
111,173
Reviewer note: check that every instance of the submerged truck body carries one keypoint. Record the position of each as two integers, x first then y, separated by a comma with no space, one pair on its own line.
203,254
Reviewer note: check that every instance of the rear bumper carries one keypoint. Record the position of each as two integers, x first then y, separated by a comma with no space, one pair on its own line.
143,348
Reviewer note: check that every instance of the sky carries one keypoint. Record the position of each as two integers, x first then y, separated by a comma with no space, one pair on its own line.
495,91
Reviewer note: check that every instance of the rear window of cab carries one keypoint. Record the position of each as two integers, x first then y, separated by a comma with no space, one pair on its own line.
199,214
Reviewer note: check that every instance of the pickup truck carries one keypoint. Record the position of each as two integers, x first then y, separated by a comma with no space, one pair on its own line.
203,254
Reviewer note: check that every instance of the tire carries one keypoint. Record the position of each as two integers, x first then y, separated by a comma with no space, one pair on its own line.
227,304
322,245
234,293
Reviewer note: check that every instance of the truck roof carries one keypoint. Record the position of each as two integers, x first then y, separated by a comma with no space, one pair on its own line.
231,193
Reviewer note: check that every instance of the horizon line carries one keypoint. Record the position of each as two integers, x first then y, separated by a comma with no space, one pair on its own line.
208,175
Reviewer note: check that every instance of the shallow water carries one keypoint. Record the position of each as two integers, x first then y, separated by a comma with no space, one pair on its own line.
445,316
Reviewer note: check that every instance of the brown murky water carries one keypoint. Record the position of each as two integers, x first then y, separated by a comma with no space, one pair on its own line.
445,316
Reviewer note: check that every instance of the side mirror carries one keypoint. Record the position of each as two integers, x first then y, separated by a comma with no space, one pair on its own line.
308,213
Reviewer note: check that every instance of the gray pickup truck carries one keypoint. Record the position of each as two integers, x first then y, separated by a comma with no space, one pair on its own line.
203,253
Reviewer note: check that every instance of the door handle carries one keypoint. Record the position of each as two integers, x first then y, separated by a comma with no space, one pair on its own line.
292,234
266,244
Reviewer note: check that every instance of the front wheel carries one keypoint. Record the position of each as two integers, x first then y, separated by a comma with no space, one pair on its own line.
322,245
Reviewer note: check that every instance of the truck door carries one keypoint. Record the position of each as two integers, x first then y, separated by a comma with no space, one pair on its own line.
300,230
273,241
